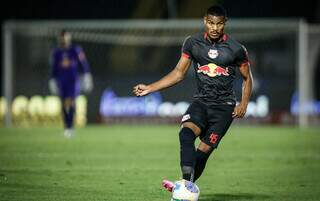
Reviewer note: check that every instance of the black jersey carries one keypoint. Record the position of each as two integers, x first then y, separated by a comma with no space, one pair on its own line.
215,66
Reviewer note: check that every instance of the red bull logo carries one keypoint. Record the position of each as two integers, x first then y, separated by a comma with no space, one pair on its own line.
213,70
65,63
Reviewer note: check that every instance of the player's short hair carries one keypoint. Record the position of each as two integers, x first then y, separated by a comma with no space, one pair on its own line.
217,10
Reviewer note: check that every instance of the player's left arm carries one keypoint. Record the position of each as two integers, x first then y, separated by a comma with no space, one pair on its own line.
85,68
241,108
87,83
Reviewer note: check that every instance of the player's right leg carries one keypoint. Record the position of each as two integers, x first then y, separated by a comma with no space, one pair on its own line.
192,123
68,109
187,137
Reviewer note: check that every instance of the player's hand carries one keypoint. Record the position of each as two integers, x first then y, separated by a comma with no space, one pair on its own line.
141,90
53,86
239,111
87,83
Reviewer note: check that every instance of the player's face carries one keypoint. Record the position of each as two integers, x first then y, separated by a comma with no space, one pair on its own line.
214,26
65,39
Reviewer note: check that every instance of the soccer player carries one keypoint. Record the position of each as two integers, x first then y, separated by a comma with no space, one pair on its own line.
215,57
68,61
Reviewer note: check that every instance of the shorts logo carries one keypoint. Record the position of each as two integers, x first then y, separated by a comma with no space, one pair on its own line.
214,138
213,53
185,117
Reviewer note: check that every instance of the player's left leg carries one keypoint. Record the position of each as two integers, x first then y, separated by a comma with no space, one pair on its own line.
69,110
202,155
220,119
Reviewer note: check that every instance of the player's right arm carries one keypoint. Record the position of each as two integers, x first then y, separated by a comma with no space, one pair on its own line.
172,78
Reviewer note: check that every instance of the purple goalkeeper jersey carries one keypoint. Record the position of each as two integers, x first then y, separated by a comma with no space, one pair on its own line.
66,65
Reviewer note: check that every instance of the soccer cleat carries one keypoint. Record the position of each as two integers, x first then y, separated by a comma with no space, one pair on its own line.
168,185
68,133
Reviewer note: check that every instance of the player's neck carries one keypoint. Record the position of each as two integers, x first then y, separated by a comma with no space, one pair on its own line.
214,40
67,46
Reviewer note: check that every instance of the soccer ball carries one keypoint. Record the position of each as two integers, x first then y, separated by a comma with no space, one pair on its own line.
184,190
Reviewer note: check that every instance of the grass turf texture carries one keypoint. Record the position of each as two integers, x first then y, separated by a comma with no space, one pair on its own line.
128,163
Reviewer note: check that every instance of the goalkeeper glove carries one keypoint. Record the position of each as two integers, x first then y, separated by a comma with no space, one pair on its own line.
87,84
53,86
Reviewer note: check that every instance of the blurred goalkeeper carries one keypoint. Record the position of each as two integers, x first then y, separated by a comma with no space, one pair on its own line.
215,57
70,74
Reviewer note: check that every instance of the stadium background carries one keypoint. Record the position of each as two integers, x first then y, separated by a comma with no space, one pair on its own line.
273,60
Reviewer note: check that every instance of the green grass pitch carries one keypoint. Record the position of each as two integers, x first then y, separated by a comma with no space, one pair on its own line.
128,163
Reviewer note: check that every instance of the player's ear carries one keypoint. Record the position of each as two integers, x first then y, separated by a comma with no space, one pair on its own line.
204,19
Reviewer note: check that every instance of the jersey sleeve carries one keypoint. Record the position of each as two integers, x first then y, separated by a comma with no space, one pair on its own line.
53,64
186,50
242,57
82,60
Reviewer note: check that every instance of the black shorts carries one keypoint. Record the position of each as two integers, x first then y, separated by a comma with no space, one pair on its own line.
213,121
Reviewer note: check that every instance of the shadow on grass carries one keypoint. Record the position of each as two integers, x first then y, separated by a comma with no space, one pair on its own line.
232,197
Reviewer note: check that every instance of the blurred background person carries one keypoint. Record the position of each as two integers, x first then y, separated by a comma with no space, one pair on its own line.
70,73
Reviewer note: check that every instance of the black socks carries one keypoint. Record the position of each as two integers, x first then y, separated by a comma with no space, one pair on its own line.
201,161
68,114
187,153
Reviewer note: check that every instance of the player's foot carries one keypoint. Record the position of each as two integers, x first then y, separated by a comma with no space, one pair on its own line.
168,185
68,133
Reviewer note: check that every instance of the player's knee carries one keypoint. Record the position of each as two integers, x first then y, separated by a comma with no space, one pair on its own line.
68,102
196,130
205,148
186,136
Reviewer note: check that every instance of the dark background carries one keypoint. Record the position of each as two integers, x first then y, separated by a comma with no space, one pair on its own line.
153,9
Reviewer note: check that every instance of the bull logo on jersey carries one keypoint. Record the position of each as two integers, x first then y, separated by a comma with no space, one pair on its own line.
213,53
213,70
66,62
